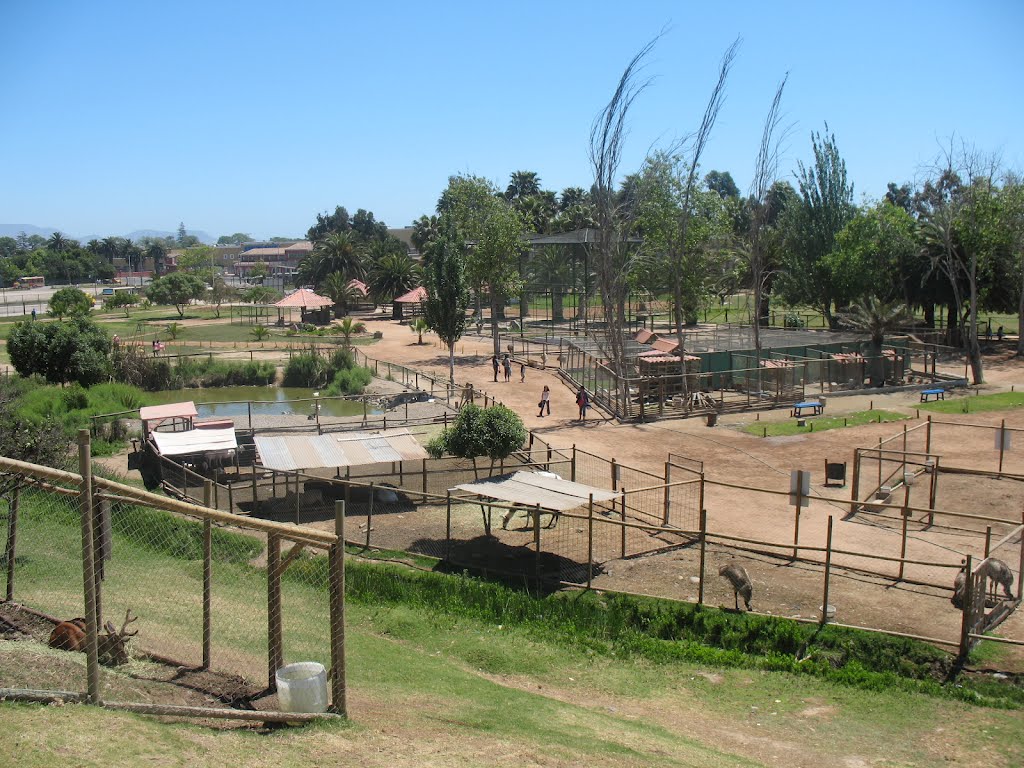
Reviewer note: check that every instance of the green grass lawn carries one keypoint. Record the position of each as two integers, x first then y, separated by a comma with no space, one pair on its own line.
998,401
822,423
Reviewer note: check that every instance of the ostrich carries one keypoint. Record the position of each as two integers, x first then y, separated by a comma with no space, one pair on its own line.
958,586
741,585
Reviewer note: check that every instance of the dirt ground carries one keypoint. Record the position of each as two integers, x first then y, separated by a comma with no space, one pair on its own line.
732,456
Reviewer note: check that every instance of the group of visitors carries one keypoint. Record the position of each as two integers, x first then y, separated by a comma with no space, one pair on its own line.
505,364
582,402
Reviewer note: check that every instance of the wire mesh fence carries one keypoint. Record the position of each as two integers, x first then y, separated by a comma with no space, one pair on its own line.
158,594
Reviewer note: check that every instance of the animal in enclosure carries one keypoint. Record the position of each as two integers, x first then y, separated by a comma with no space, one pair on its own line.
958,587
113,644
113,651
511,513
737,576
68,635
213,461
1000,573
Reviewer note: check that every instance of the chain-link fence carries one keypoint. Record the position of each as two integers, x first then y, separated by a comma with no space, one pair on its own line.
158,593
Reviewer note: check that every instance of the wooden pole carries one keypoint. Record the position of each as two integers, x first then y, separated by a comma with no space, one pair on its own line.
828,571
248,408
572,466
590,538
424,475
855,483
666,504
337,567
703,554
448,528
369,516
207,578
622,528
275,640
905,514
89,568
988,539
12,540
928,435
967,610
536,540
298,501
255,498
1002,444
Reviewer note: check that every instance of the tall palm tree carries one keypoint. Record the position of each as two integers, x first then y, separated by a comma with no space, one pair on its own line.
339,289
876,318
550,269
58,243
424,231
522,184
337,252
392,276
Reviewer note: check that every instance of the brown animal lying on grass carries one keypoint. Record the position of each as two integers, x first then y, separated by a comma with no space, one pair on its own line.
70,636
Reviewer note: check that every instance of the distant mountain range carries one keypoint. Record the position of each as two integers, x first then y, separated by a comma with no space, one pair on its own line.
12,230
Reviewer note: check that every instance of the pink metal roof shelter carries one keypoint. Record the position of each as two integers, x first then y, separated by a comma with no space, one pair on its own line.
414,296
304,298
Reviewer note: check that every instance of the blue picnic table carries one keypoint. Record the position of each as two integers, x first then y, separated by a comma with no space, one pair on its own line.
938,394
814,406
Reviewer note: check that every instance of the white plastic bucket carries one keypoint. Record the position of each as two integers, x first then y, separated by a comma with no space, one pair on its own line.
302,687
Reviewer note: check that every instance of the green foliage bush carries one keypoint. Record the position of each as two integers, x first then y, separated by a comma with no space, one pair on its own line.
73,350
494,432
339,374
132,364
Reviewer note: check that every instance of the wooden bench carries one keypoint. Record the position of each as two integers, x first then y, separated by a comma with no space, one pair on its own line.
814,406
938,394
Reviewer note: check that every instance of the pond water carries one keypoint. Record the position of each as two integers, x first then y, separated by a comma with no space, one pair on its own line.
266,401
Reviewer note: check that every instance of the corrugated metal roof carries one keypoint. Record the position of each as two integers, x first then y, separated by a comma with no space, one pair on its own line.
848,357
778,364
351,449
533,488
195,441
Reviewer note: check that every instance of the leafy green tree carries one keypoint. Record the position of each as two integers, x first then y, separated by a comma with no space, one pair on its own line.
261,294
121,300
473,207
178,289
219,293
495,432
425,230
37,442
239,238
721,182
447,292
184,239
550,269
259,332
58,243
340,290
825,207
259,272
76,350
69,301
198,260
522,184
174,330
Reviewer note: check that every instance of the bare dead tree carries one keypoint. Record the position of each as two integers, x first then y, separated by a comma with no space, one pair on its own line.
696,143
766,170
611,251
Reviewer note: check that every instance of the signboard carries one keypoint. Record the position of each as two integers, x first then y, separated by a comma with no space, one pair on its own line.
799,487
1003,439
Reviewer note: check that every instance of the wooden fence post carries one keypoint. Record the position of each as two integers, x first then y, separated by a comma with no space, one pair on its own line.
572,466
369,516
536,540
615,475
89,567
424,475
968,609
828,571
928,435
855,483
275,640
207,577
667,504
622,515
703,553
337,569
448,528
590,541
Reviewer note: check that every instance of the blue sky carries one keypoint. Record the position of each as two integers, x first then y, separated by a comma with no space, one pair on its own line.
254,116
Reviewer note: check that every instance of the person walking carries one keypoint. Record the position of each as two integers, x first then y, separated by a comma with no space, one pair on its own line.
582,402
545,401
494,365
522,372
508,369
